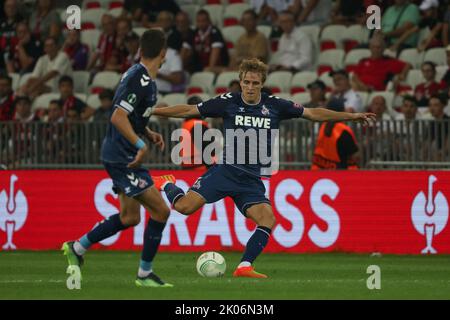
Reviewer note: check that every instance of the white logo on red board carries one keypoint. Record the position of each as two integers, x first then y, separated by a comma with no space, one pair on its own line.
429,214
13,212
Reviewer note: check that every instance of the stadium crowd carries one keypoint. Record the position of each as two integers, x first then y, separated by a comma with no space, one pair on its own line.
320,53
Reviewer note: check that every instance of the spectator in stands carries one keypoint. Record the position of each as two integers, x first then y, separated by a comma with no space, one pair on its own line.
55,112
252,44
234,86
378,106
348,12
429,21
23,110
313,11
343,91
208,45
77,52
45,22
133,11
166,21
49,67
106,44
398,19
151,9
6,98
119,52
317,92
183,25
24,54
70,102
375,72
438,131
425,90
8,24
295,47
132,45
408,109
170,77
103,113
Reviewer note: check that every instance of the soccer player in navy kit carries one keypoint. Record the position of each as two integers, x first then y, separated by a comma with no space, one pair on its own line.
123,152
242,182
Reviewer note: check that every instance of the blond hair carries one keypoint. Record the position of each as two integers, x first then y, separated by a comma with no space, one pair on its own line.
253,65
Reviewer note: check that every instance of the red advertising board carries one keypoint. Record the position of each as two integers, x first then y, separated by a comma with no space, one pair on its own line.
355,211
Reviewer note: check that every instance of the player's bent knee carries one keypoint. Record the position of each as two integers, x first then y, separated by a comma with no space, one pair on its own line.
130,220
184,207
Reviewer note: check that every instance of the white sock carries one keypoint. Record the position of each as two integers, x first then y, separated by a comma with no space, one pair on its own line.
79,249
143,273
244,264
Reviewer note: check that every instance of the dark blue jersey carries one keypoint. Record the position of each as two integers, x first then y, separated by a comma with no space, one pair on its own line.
136,94
261,121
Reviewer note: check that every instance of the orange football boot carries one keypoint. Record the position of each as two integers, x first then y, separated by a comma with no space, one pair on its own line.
160,181
248,272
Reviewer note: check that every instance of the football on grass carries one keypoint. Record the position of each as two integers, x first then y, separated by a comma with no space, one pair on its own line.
211,265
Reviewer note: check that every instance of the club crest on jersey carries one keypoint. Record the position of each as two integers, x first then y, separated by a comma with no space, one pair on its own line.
264,110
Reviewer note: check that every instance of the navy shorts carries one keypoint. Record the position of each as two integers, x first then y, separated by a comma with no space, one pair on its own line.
221,181
131,182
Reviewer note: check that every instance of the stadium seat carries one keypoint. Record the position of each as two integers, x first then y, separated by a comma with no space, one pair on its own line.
104,80
90,38
364,97
389,96
301,97
414,78
115,5
279,81
201,82
232,14
300,81
213,2
412,56
265,30
93,101
313,33
232,34
172,99
81,81
331,37
224,79
354,56
216,13
330,60
436,55
440,72
354,35
42,101
91,19
116,12
91,4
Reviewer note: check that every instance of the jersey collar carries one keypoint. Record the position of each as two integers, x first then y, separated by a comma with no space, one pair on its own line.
251,104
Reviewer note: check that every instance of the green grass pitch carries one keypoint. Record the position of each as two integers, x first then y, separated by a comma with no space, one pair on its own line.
110,275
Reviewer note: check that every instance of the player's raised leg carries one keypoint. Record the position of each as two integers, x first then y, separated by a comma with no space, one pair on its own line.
263,216
184,203
159,213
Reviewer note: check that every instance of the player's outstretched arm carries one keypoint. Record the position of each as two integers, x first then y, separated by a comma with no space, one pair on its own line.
322,114
177,111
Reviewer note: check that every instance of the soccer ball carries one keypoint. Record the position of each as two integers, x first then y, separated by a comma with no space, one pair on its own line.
211,265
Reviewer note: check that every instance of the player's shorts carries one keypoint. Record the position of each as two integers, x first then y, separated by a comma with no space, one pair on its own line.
131,182
221,181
